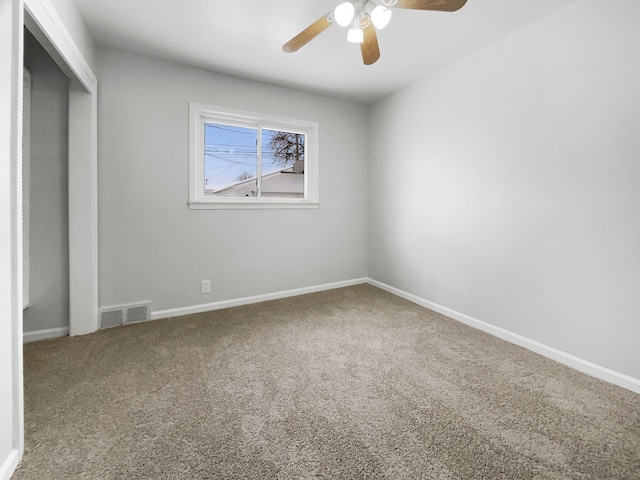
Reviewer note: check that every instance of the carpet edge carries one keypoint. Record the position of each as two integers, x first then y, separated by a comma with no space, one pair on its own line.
567,359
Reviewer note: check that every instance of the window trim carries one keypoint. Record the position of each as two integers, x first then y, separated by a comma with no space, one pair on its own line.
200,113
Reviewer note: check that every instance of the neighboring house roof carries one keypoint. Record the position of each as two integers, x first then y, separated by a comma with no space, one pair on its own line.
287,181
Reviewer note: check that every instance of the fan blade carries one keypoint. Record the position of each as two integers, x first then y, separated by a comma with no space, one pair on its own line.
369,48
440,5
308,34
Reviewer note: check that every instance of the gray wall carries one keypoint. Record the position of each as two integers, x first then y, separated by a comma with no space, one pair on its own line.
152,247
505,187
49,273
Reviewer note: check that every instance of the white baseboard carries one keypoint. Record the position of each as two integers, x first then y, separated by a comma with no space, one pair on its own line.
9,464
567,359
38,335
176,312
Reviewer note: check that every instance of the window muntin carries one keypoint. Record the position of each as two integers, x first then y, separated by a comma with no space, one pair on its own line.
228,170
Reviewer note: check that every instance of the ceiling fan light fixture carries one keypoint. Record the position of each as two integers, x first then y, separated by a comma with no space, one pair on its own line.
380,16
344,14
355,35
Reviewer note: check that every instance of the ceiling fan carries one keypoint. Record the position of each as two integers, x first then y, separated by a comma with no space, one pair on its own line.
364,17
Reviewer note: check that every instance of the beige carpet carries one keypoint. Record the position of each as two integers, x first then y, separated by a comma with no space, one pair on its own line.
352,383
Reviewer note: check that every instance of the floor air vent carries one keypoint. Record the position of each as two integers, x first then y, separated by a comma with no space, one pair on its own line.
110,318
123,314
139,313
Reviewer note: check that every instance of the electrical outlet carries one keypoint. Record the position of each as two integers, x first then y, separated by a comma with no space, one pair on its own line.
206,286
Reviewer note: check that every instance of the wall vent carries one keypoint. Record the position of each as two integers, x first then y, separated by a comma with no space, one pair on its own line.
138,313
124,314
110,318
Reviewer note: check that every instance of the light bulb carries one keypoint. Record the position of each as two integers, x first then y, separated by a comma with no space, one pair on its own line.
355,35
380,17
344,13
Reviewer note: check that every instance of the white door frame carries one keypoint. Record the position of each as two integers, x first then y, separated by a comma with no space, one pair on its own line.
46,26
11,378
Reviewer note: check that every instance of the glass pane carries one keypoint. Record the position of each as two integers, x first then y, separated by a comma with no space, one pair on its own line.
230,159
283,155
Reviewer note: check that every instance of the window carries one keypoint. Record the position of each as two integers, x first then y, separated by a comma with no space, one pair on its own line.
247,160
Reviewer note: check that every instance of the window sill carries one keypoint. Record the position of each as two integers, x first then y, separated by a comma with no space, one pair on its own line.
251,205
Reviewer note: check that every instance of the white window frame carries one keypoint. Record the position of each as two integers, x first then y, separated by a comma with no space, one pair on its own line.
199,114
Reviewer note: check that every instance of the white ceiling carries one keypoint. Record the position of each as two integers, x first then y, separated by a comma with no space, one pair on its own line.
245,38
